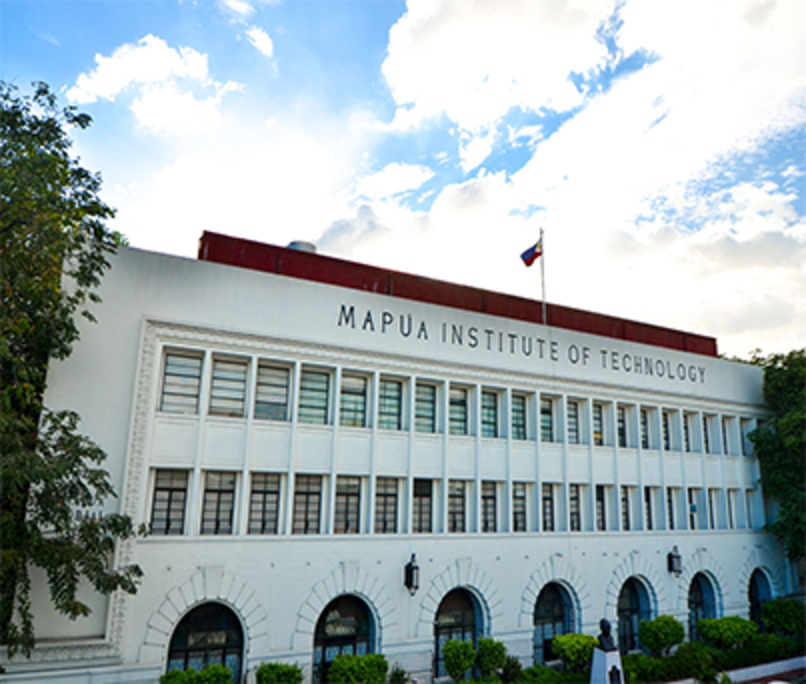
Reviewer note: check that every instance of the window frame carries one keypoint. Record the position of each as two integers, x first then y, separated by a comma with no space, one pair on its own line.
266,499
457,506
167,529
520,507
171,389
270,410
385,401
489,506
353,400
347,509
546,419
425,407
548,520
310,411
386,501
223,383
519,429
489,414
574,510
218,495
307,500
458,404
572,421
422,510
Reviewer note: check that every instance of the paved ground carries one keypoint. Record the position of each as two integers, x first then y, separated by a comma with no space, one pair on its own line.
793,677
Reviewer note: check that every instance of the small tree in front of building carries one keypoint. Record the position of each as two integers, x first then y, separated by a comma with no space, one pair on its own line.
458,657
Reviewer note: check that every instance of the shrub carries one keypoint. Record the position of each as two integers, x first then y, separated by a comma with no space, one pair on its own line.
786,617
691,659
352,669
727,632
490,655
576,650
278,673
177,676
762,648
661,634
398,675
511,670
458,657
215,674
540,674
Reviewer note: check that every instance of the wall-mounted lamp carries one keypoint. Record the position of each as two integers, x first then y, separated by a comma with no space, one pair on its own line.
675,561
411,575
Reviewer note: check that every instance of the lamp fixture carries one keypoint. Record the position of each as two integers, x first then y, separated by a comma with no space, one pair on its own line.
411,575
675,561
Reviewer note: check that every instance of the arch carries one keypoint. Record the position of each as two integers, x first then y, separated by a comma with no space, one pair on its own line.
759,591
701,603
702,562
553,615
345,626
459,617
643,571
634,606
209,634
761,558
569,578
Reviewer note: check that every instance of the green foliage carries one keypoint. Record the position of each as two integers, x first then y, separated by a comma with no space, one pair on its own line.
458,657
694,660
540,674
786,617
762,648
511,670
727,632
490,655
215,674
398,675
53,248
278,673
352,669
725,679
576,650
780,446
658,636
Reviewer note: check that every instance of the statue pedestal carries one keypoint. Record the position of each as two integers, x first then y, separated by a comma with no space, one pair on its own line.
606,667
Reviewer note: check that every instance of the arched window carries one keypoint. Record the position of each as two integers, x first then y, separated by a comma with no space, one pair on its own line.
758,593
458,618
345,626
701,603
210,634
553,616
633,607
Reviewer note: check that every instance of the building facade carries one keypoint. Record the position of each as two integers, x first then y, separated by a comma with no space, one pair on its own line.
339,459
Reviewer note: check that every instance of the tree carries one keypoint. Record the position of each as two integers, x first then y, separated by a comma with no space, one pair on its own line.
53,248
780,445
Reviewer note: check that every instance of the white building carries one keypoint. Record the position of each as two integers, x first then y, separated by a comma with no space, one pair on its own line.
295,427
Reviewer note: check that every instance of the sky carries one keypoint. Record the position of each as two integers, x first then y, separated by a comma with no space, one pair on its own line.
660,144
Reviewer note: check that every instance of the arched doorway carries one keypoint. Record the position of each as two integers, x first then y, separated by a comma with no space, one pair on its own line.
344,627
758,593
632,608
458,617
553,616
701,603
210,634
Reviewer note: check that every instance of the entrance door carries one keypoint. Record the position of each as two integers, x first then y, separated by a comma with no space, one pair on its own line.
344,627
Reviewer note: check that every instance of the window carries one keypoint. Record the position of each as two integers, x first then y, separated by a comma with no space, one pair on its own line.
644,429
601,512
489,414
746,426
348,505
353,408
421,513
180,384
625,508
686,432
518,416
168,508
425,411
598,435
345,627
488,507
385,505
456,506
271,396
670,506
573,508
314,388
725,444
573,422
456,620
648,507
705,437
692,508
667,436
519,507
548,507
307,503
552,617
219,503
264,503
228,391
390,405
621,423
546,420
458,412
732,494
712,498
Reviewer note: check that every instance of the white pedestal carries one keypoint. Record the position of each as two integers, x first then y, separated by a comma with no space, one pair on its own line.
602,667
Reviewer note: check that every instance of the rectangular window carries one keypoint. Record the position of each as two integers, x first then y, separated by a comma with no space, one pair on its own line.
667,435
348,505
425,413
648,507
488,507
421,513
548,507
573,422
546,420
264,503
219,503
390,405
670,506
725,445
598,434
731,508
168,508
518,416
180,384
705,437
745,427
519,507
621,422
456,506
644,429
686,432
489,414
601,509
458,411
228,390
353,404
692,508
271,395
625,508
314,388
573,508
712,499
307,504
385,505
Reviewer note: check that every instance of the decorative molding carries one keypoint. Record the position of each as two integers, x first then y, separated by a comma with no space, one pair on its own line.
568,577
638,566
760,558
705,562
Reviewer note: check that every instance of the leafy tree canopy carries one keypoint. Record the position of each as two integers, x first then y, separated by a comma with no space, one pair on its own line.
780,445
53,249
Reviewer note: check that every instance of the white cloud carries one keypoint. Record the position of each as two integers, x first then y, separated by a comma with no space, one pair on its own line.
239,9
261,40
393,179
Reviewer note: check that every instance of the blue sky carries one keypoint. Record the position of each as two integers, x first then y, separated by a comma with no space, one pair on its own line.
661,145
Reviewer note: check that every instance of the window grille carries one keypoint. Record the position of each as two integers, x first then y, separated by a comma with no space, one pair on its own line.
598,435
348,505
353,408
264,503
601,509
648,507
180,383
385,505
644,429
573,508
548,508
519,507
670,506
313,397
219,503
725,446
168,508
421,513
228,390
425,415
456,506
705,436
621,421
390,405
518,416
686,432
546,420
488,507
573,422
625,508
458,411
712,499
271,395
692,508
667,437
307,504
489,414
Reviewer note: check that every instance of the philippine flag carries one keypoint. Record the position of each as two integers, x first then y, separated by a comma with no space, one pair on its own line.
533,253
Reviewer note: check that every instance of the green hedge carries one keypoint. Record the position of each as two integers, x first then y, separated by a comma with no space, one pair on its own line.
353,669
458,657
215,674
658,636
727,632
278,673
576,650
785,617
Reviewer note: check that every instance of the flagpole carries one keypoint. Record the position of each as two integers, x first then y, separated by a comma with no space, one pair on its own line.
543,273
